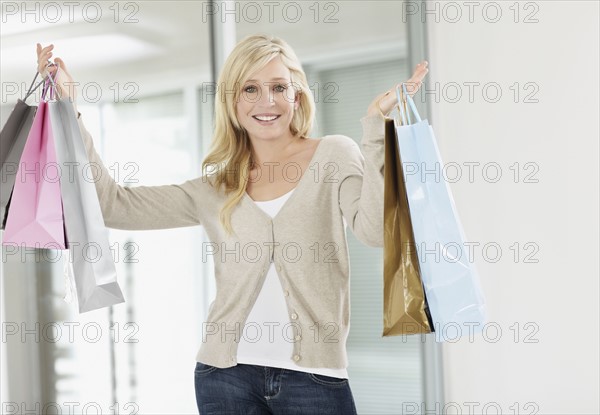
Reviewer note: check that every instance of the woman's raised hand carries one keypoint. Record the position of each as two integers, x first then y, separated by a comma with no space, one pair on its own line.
386,101
64,81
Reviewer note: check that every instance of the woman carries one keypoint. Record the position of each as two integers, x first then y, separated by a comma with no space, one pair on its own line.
275,206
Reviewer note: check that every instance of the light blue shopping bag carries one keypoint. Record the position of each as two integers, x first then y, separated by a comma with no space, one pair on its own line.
449,276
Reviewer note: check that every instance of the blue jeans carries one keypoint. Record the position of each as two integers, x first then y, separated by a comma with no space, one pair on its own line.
256,390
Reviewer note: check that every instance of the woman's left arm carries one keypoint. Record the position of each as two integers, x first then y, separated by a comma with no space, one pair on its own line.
362,190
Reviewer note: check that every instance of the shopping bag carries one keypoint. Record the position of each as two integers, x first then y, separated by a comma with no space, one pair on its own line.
94,269
449,276
35,215
405,308
12,142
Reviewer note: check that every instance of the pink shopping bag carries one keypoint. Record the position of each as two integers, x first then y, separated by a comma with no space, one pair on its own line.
35,215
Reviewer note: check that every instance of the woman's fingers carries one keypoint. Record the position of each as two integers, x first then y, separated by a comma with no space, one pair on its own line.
412,86
44,55
64,79
62,65
40,49
385,102
414,83
46,67
44,52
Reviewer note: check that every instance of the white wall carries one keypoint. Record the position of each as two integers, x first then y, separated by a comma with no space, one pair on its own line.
3,371
559,294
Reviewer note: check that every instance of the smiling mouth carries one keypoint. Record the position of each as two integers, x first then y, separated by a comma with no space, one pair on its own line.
265,118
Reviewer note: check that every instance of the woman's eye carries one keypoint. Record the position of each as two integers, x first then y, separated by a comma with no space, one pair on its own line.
250,89
280,88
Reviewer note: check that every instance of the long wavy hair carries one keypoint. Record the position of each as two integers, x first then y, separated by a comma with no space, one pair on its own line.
230,156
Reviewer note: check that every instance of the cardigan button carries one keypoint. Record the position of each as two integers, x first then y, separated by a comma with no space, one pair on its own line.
298,337
296,357
286,293
294,316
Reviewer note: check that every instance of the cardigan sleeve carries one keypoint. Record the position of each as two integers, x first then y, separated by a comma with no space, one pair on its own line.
141,207
361,190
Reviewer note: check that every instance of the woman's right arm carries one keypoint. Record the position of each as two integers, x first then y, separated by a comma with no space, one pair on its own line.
142,207
130,208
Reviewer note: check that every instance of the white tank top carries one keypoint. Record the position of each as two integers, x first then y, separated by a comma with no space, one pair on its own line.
265,340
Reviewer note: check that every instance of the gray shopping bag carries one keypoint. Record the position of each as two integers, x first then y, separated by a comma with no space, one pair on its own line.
94,269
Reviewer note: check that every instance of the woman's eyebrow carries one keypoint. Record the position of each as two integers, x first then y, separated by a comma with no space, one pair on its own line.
272,79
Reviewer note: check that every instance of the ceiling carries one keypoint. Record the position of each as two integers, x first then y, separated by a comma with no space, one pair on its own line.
164,44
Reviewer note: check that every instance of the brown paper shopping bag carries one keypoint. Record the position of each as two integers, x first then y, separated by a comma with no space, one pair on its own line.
405,308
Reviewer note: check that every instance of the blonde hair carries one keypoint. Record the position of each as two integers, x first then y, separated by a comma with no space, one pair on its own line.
230,154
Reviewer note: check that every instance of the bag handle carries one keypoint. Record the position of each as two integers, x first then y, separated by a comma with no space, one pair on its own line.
31,88
401,104
53,88
403,99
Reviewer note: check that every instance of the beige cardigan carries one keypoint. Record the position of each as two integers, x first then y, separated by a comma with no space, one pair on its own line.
343,186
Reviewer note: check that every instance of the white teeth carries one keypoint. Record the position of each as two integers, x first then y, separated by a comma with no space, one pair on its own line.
265,118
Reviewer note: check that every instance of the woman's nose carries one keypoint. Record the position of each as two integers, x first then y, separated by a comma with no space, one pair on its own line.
267,97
